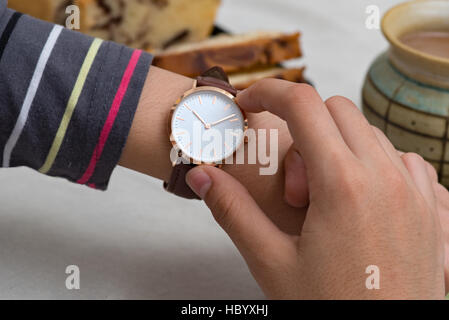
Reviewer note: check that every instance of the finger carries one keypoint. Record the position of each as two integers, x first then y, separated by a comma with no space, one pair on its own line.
417,169
313,130
393,154
237,213
391,150
442,195
296,192
396,157
355,129
432,172
446,267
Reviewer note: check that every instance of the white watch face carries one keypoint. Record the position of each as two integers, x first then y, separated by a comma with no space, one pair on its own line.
208,126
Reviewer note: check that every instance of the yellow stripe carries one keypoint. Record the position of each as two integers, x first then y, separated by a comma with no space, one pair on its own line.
71,105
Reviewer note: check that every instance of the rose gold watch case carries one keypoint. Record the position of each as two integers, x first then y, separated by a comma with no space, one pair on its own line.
181,154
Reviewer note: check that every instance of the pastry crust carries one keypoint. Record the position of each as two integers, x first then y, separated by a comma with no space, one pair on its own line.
243,80
231,52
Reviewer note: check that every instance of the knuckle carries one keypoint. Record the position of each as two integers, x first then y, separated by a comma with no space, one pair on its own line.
350,182
395,180
265,82
396,185
353,183
300,92
340,159
261,86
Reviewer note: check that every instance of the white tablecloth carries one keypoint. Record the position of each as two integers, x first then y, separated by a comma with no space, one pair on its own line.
136,241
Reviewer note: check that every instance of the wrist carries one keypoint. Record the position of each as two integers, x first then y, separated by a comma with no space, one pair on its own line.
147,149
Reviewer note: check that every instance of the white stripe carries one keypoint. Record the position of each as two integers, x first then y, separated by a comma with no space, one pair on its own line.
31,93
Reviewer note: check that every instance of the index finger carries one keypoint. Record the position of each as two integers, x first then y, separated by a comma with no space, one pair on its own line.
314,132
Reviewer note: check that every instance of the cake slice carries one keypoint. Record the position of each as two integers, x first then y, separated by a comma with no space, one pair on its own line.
243,80
231,52
148,24
49,10
143,24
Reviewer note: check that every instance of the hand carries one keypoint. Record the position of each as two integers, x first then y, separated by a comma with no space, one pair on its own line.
161,89
297,194
442,199
365,208
206,125
442,196
224,119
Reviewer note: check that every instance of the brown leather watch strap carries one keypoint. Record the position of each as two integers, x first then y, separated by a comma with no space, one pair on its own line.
208,81
177,183
216,73
214,77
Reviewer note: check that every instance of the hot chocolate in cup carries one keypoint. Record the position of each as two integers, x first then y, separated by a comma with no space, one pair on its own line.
418,33
435,43
406,91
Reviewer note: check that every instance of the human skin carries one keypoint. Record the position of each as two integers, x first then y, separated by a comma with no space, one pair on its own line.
297,194
148,140
367,206
148,147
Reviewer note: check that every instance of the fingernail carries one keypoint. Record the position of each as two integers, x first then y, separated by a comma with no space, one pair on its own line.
199,181
239,94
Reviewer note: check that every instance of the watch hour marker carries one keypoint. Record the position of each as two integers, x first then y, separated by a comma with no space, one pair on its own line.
180,133
214,100
200,100
234,120
179,118
227,107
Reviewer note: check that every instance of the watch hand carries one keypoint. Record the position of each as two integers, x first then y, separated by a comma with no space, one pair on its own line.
224,119
201,119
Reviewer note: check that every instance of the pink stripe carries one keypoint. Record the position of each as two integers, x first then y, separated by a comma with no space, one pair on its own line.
111,117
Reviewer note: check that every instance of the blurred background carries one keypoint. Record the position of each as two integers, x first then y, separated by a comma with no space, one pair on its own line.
135,241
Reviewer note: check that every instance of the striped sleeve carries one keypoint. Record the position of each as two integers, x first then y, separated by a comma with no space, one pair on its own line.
2,7
67,100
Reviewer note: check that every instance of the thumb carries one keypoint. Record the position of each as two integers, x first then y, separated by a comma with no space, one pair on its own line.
253,233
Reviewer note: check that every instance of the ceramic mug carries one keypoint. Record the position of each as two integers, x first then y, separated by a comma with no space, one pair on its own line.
406,91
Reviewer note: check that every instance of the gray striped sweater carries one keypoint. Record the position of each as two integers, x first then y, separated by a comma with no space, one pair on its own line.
67,100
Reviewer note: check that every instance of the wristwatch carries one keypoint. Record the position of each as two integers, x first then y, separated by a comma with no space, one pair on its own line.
206,127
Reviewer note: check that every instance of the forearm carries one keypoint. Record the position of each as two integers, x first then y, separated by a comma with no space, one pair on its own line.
67,100
148,147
